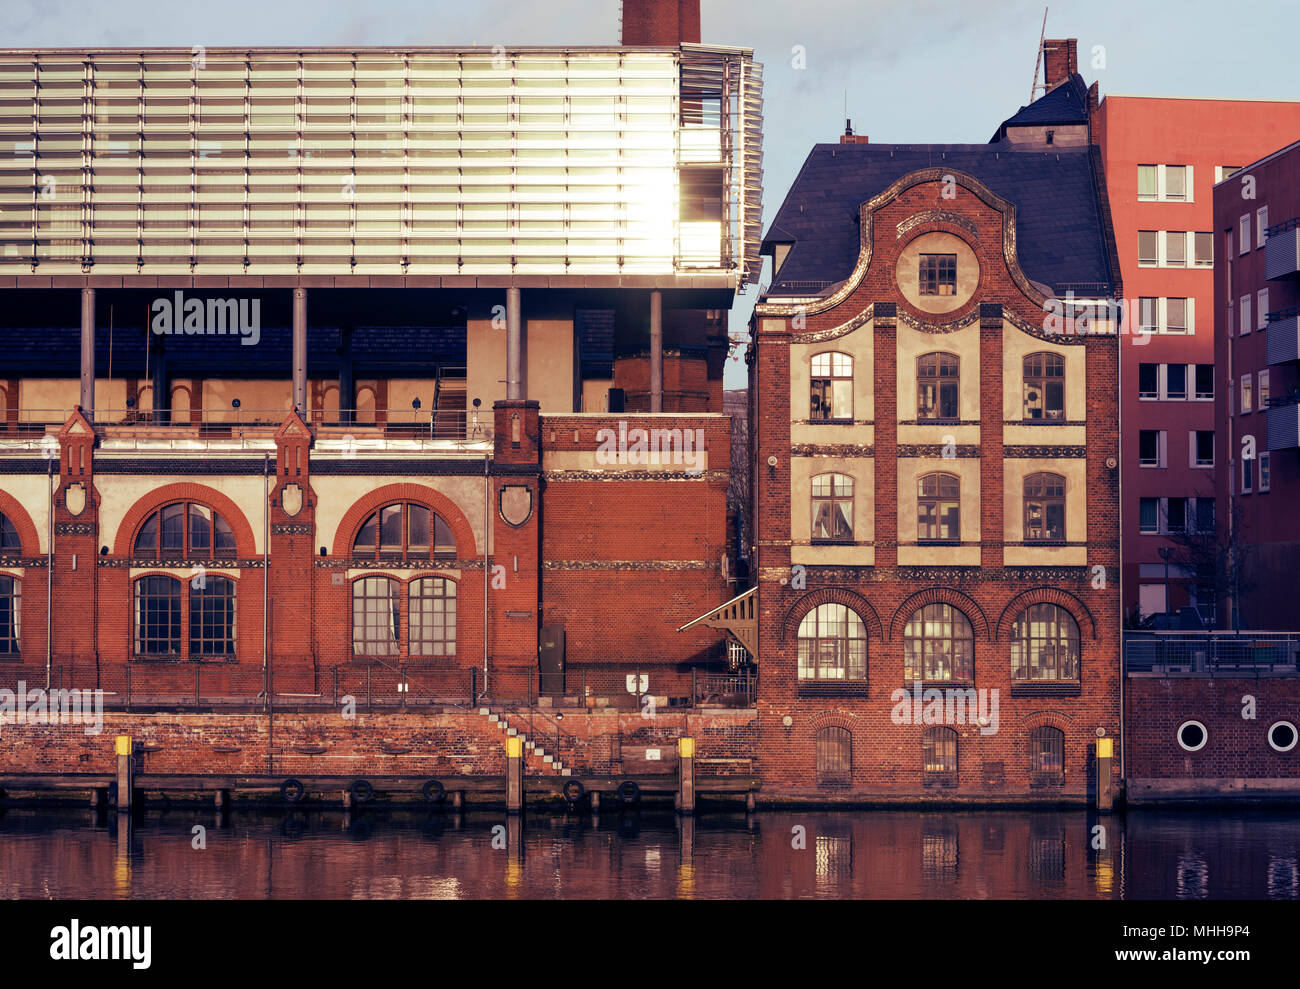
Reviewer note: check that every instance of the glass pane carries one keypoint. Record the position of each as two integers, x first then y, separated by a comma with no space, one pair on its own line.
225,536
146,543
367,537
418,530
200,531
390,530
173,530
442,538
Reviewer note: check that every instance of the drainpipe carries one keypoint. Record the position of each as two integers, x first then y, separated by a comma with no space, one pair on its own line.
487,521
266,562
49,576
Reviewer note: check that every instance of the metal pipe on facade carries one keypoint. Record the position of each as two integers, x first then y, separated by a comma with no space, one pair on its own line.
515,388
487,521
88,352
300,350
266,561
49,572
656,351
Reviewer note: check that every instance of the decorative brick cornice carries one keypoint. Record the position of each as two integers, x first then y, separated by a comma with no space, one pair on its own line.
74,528
867,573
1041,450
932,216
714,476
926,450
291,528
630,565
851,599
938,326
832,450
330,563
142,563
939,595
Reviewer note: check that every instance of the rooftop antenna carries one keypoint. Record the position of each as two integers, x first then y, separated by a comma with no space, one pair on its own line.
1038,58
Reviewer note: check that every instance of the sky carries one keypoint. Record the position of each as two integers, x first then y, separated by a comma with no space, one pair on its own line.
913,71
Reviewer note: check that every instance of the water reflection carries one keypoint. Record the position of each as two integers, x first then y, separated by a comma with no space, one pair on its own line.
62,853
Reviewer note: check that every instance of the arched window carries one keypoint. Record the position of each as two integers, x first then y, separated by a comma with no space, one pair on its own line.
832,644
402,531
158,616
11,602
10,544
212,616
938,644
1045,645
433,617
1045,387
1044,508
184,530
834,756
376,616
938,508
939,755
1047,756
832,387
937,379
832,508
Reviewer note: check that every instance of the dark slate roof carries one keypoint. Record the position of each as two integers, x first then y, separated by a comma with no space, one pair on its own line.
1065,104
1062,225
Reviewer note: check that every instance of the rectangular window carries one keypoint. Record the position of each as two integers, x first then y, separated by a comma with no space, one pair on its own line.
1148,381
1247,475
1247,394
1262,396
1148,315
1204,247
1243,238
1261,309
832,508
1147,188
1148,247
1261,228
1175,514
1176,315
1204,380
1203,443
832,388
1224,171
1149,515
1265,470
1175,381
1150,442
1175,248
1243,316
1176,182
1205,515
938,274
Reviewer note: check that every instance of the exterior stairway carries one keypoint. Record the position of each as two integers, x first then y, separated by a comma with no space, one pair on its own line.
535,755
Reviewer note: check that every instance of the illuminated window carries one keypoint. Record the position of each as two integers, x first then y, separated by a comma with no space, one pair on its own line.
939,753
832,644
938,644
1044,645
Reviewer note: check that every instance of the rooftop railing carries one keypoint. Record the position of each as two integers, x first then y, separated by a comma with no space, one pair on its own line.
1212,654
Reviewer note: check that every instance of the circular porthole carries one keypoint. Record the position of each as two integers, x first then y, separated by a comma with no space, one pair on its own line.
1192,736
1282,736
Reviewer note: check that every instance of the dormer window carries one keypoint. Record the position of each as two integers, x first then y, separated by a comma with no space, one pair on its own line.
938,274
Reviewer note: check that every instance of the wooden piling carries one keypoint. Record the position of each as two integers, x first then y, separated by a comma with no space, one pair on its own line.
514,775
123,749
686,775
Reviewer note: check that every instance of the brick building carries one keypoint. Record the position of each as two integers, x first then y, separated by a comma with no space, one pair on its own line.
934,466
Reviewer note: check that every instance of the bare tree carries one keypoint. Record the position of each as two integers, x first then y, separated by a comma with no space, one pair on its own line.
1218,557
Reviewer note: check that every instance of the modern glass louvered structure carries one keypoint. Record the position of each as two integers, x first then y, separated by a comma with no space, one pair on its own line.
534,162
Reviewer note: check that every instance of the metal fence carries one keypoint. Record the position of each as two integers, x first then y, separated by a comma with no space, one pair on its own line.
1212,653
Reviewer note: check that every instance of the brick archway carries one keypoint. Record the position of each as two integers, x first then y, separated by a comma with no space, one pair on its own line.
939,595
245,544
1046,719
1045,595
28,538
419,493
852,600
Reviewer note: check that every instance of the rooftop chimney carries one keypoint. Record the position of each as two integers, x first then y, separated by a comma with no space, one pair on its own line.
660,23
1060,60
848,137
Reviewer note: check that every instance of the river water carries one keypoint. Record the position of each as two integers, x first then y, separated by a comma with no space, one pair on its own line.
183,852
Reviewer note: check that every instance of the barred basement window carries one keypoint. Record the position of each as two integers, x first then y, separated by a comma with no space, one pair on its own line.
939,755
832,508
832,388
938,644
1045,645
834,756
938,274
432,617
1047,756
212,617
376,617
11,600
184,531
10,545
1044,508
832,644
1044,376
157,616
401,531
937,382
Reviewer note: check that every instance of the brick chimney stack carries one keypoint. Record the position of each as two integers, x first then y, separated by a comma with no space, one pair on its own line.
1060,60
660,22
848,137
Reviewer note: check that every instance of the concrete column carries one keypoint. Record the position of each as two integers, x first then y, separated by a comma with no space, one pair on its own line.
516,386
656,352
300,350
124,782
88,352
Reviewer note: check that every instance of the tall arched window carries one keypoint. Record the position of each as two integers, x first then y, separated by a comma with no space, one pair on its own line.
1047,756
1045,645
158,616
937,381
832,508
832,387
10,544
1045,387
376,616
938,644
939,754
832,644
938,508
433,617
212,616
11,610
163,608
1044,508
184,530
402,531
834,756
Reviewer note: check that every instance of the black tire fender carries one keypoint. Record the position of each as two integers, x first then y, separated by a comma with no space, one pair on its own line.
292,790
628,792
362,791
573,791
433,791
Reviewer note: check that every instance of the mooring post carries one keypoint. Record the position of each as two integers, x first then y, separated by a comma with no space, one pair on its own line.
595,803
457,799
514,775
1105,796
686,775
123,748
222,799
750,803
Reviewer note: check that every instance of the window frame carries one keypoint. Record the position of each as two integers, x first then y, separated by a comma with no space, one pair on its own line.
147,603
920,642
935,272
931,367
937,503
940,755
1046,500
380,555
1060,639
836,499
836,361
827,630
448,597
11,617
833,756
1046,756
207,594
216,523
1040,376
